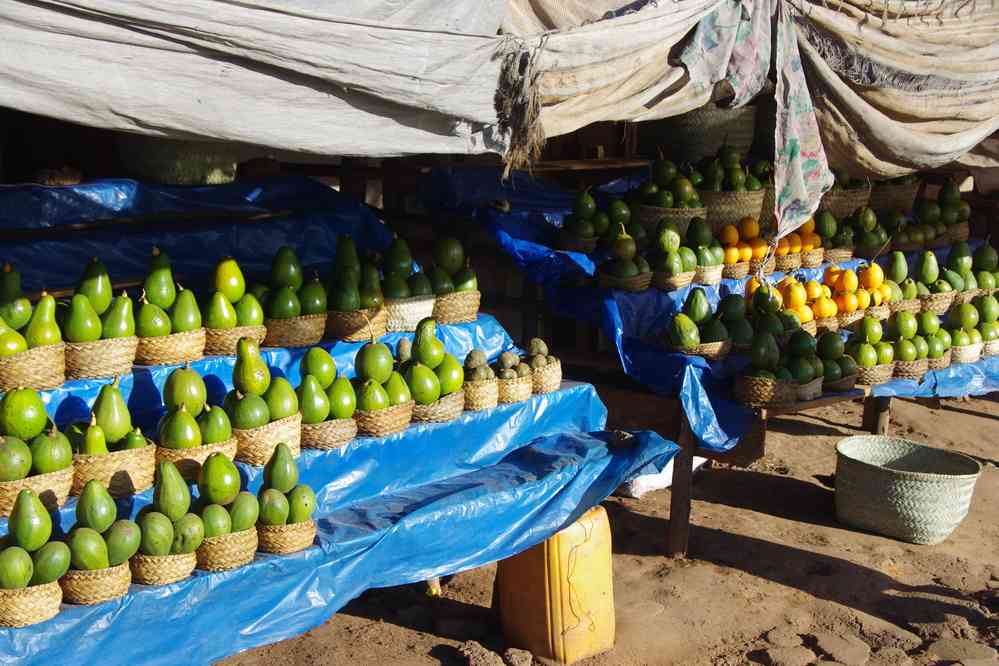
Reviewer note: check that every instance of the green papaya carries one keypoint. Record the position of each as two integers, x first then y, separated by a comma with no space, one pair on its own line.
111,413
179,430
214,425
249,411
343,399
95,284
51,562
281,471
188,533
123,539
42,329
185,386
312,297
312,400
218,480
286,271
157,534
119,320
683,332
153,321
216,520
22,414
50,452
30,524
16,568
185,315
82,323
244,511
250,375
273,507
301,504
171,496
281,399
220,314
229,280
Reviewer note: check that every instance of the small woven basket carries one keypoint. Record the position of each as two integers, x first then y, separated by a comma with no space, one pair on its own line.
911,369
966,353
890,197
171,349
990,348
937,303
959,232
810,390
384,421
457,307
849,320
332,434
842,384
901,489
879,374
842,203
301,331
708,274
405,313
568,242
548,378
357,325
29,605
837,255
908,305
768,266
966,296
879,312
712,351
102,358
515,390
736,271
939,363
123,473
256,445
444,409
189,461
672,283
703,131
52,489
97,586
651,216
730,207
810,327
222,341
161,569
286,539
826,324
481,395
764,392
227,551
813,258
40,368
640,282
788,262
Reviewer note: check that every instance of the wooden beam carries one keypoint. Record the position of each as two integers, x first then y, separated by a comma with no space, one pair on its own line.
877,414
678,536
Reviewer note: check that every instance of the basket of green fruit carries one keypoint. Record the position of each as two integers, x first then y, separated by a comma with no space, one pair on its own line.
36,359
285,523
895,194
229,529
846,196
232,312
327,402
546,370
481,387
516,382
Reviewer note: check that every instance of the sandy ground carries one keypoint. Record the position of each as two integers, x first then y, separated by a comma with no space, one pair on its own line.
771,578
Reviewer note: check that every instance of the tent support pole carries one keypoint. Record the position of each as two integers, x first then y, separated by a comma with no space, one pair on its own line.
680,492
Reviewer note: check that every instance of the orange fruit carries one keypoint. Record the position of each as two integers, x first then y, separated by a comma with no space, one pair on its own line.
872,276
816,241
759,248
824,307
745,251
728,235
783,247
731,255
813,290
752,284
831,274
807,227
826,291
847,302
795,241
794,296
749,228
809,242
804,313
863,299
847,283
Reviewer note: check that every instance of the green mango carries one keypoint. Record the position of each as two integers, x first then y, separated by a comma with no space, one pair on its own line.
185,386
188,533
424,384
123,539
42,329
312,297
244,511
216,520
134,440
171,496
345,297
397,258
179,430
153,321
50,452
249,411
95,508
51,562
370,289
249,312
218,480
15,459
281,472
30,525
95,442
419,285
111,412
82,323
465,280
683,332
159,259
312,400
449,254
157,534
214,425
273,507
22,414
286,271
281,399
119,320
343,400
372,397
220,314
16,568
374,361
10,284
250,375
95,284
427,349
440,281
450,374
301,504
159,287
185,315
346,257
16,313
229,281
283,304
318,363
397,390
395,286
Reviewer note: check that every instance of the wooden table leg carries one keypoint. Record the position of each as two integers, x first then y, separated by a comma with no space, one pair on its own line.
877,414
680,491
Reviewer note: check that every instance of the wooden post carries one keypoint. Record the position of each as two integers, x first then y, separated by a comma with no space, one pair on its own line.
680,492
877,414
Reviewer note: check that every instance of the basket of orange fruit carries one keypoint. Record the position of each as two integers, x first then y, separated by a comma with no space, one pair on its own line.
793,249
794,299
855,295
742,245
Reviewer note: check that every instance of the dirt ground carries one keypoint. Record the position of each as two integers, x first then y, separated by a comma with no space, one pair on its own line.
771,577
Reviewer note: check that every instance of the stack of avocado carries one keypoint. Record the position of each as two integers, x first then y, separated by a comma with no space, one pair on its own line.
256,399
92,314
669,187
352,285
283,500
947,211
231,305
870,347
669,256
988,313
166,526
914,337
30,558
322,395
509,366
399,279
15,311
726,173
110,427
803,363
696,324
835,363
429,371
863,231
975,322
99,540
587,223
965,271
625,262
707,250
766,314
451,272
41,329
287,293
164,310
26,448
378,384
224,509
189,421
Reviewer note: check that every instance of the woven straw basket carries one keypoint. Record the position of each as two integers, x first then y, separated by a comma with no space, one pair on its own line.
651,216
849,320
813,258
227,551
937,303
515,390
824,324
357,325
570,243
841,385
94,587
990,348
810,390
189,461
708,274
959,232
29,605
40,368
384,421
457,307
702,132
331,434
548,378
911,369
712,351
256,445
301,331
901,489
836,255
886,196
405,313
730,207
52,489
810,327
222,341
939,363
764,392
162,569
879,374
672,283
966,296
481,395
966,353
788,262
879,312
767,266
640,282
102,358
171,349
123,473
736,271
908,305
286,539
447,408
842,203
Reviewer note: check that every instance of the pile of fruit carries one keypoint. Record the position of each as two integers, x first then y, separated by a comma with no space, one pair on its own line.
675,255
588,223
256,398
321,394
282,499
669,187
231,305
27,447
727,172
743,243
189,421
853,292
625,261
804,239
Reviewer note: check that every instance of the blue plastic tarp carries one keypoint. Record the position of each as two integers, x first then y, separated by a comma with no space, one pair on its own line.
958,380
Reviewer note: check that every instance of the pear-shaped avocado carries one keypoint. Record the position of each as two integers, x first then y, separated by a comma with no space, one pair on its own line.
157,533
419,285
22,414
30,524
220,315
134,440
397,390
465,279
249,411
185,315
82,323
123,539
273,507
95,284
281,471
423,384
50,452
159,286
216,520
10,284
281,399
286,271
250,375
343,399
374,361
171,496
370,289
244,511
397,259
318,363
153,321
312,297
283,304
88,551
111,412
179,430
345,297
440,281
119,320
159,259
95,507
249,312
451,375
16,568
42,329
312,400
346,255
301,504
12,342
95,442
188,533
218,480
395,286
16,313
229,280
15,459
185,387
214,425
372,397
427,349
51,562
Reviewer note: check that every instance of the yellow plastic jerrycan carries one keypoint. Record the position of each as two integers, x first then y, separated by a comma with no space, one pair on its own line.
557,599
